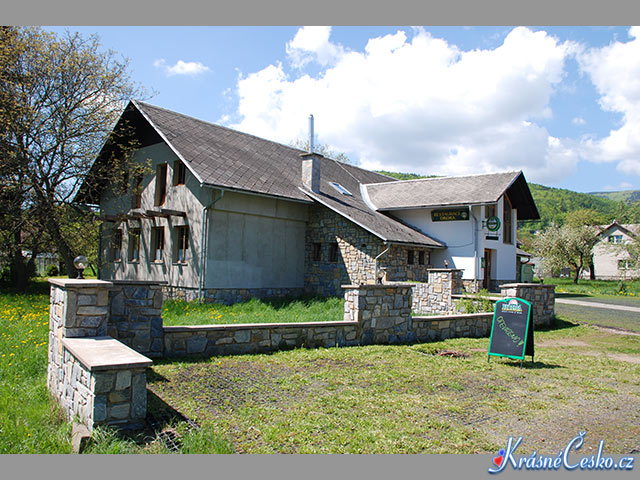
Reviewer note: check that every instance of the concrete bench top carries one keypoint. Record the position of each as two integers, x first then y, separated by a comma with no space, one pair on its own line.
105,353
79,283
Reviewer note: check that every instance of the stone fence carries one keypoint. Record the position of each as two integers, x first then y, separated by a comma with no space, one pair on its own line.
101,332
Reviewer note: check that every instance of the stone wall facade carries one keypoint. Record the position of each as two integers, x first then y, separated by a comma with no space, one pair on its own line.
541,296
357,250
135,315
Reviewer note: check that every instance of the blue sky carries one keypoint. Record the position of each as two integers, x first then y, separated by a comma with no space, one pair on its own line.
560,103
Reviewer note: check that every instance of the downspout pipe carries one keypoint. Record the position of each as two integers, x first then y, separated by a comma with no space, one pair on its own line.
377,279
475,250
203,240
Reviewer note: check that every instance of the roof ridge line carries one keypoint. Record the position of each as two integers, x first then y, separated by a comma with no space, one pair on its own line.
433,178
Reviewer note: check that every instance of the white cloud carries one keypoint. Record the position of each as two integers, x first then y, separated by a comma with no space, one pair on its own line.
181,67
312,44
418,103
615,72
578,121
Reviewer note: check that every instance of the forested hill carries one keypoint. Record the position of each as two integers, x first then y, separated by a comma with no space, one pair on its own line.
627,196
554,203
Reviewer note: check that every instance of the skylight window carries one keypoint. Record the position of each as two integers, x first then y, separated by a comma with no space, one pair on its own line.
340,189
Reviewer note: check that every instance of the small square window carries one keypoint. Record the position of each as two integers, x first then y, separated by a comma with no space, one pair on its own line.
333,252
157,244
316,253
182,244
134,245
410,257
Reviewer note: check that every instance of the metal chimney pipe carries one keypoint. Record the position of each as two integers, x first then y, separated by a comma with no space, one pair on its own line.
311,133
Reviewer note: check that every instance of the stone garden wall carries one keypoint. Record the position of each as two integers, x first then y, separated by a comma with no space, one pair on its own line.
435,296
542,298
101,379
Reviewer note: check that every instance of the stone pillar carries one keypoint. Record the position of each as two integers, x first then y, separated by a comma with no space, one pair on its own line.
443,282
541,296
94,377
135,315
383,312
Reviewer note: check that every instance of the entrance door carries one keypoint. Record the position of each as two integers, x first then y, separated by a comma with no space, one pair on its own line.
487,268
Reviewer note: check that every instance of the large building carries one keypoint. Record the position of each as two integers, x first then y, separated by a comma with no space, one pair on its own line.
224,215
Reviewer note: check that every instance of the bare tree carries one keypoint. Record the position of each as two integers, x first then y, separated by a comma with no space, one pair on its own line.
61,97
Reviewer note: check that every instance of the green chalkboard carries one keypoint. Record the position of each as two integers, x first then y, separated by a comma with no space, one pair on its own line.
511,329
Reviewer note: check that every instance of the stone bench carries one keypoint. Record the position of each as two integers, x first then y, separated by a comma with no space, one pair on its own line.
103,382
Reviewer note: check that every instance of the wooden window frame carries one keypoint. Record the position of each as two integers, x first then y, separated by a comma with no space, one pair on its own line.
135,239
421,257
411,259
507,221
161,184
116,245
179,173
157,244
136,192
182,244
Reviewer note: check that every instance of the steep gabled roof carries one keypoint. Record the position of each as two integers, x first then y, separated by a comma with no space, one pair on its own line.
224,158
455,191
631,229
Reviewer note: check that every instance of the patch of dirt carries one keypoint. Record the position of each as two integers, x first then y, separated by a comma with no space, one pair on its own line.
562,342
624,357
617,331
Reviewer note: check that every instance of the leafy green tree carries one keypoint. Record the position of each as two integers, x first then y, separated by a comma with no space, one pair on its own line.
60,99
567,245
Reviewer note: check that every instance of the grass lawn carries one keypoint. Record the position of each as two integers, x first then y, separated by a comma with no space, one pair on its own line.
601,317
596,288
374,399
306,309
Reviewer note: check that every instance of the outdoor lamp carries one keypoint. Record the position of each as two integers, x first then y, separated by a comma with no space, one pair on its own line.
80,262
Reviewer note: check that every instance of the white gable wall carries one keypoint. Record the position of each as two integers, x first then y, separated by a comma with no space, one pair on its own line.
607,254
465,247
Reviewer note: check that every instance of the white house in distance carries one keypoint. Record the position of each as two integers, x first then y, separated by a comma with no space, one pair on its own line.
224,215
610,260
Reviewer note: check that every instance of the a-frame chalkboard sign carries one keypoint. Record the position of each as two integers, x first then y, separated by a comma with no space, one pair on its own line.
512,329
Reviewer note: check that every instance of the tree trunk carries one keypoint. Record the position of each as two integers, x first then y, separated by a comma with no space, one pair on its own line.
592,272
63,248
19,268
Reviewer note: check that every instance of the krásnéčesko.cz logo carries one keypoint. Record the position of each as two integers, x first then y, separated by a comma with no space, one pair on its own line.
563,459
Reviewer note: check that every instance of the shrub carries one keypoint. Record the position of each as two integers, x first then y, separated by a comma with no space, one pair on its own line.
52,271
476,303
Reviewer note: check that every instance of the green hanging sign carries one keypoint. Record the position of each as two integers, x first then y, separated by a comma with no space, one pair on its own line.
493,224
